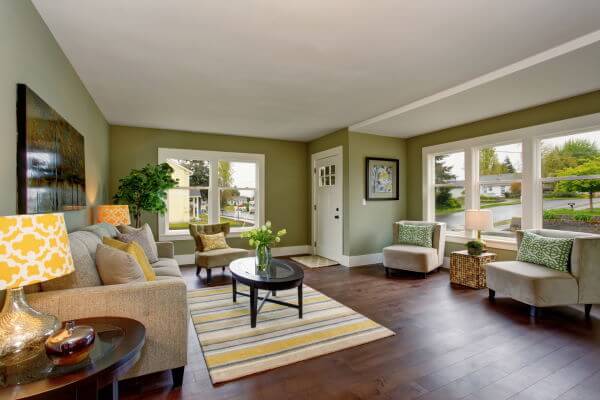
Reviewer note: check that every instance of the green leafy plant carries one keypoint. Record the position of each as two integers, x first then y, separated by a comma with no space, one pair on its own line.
263,236
475,247
145,190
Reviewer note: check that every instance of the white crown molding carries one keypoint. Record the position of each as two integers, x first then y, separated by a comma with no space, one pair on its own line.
528,62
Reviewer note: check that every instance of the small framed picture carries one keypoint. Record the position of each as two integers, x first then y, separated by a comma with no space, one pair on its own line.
381,177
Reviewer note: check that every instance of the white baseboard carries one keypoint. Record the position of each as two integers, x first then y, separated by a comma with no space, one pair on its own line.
363,259
184,259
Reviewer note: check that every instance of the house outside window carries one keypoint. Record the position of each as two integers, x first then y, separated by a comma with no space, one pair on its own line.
212,187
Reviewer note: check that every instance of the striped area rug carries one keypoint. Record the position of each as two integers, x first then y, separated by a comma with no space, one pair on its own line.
232,349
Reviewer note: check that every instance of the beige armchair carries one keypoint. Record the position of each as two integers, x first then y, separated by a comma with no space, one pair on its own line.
539,286
416,258
213,258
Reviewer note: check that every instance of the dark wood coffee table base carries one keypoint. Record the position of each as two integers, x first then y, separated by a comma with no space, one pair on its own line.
254,297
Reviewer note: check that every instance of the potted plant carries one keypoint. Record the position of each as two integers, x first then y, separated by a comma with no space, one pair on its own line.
145,190
475,247
262,238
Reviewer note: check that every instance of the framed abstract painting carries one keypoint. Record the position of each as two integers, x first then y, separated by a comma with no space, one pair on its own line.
381,177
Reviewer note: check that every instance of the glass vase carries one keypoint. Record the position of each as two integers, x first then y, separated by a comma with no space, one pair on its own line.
263,257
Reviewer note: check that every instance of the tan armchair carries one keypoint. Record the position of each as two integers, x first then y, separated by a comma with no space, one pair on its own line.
415,258
213,258
539,286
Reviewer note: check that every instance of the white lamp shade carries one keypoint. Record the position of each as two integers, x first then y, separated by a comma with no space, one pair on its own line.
478,220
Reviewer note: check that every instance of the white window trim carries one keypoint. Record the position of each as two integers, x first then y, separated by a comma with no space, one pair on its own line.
531,180
213,199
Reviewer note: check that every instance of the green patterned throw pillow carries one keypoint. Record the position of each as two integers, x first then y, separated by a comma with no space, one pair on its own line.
418,235
550,252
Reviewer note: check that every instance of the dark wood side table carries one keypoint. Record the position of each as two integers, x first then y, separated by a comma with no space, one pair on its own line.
468,270
117,348
280,275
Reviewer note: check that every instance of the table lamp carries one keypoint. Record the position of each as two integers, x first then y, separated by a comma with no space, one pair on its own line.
33,249
114,214
479,220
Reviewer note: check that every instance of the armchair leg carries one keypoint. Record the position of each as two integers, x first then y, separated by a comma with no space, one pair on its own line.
387,272
198,271
208,275
177,374
492,295
223,268
533,311
424,275
588,310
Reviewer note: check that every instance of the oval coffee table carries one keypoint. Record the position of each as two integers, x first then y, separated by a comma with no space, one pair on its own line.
280,275
117,348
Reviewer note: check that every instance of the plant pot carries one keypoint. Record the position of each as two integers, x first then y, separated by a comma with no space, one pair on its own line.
263,257
474,251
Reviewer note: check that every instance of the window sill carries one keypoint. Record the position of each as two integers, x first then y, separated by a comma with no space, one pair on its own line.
491,243
181,236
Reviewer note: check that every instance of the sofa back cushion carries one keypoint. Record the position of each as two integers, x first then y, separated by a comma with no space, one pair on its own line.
144,237
551,252
83,249
101,229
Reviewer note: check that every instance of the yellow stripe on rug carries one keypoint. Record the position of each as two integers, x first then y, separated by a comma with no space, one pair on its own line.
232,349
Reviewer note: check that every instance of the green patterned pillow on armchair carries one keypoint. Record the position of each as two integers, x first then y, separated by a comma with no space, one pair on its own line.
550,252
417,235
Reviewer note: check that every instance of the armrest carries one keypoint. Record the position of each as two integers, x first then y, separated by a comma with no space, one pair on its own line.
166,249
160,305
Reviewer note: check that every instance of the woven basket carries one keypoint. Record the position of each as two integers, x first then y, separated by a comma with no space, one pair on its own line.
469,270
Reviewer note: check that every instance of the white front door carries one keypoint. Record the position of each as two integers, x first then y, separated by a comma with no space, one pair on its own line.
328,199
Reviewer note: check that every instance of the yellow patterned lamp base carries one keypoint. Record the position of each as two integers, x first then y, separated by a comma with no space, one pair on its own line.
23,330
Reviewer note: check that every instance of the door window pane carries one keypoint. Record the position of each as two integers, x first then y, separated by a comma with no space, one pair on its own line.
571,195
238,207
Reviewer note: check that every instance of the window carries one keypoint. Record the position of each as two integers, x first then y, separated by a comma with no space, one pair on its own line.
212,187
545,176
570,168
450,190
500,170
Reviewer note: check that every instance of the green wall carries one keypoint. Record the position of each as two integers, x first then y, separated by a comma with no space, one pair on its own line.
367,229
29,54
371,225
285,172
567,108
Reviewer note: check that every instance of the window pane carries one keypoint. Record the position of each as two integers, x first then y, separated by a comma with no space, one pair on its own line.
449,167
185,206
580,213
504,200
449,207
572,155
238,207
500,163
190,172
237,174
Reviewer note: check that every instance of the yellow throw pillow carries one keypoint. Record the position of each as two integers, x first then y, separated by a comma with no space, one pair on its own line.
136,251
214,242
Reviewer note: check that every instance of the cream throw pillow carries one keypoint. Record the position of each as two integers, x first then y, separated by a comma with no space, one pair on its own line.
135,250
213,242
116,266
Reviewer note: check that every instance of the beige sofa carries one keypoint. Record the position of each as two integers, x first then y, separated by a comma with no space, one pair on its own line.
160,305
415,258
539,286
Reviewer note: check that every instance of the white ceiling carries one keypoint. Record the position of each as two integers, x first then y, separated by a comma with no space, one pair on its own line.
299,69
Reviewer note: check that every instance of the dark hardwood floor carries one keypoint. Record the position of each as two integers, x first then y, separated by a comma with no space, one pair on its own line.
450,343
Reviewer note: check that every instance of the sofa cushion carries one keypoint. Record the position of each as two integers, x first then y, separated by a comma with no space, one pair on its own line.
143,236
117,267
101,229
219,258
136,251
410,258
166,267
417,235
532,284
550,252
85,274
